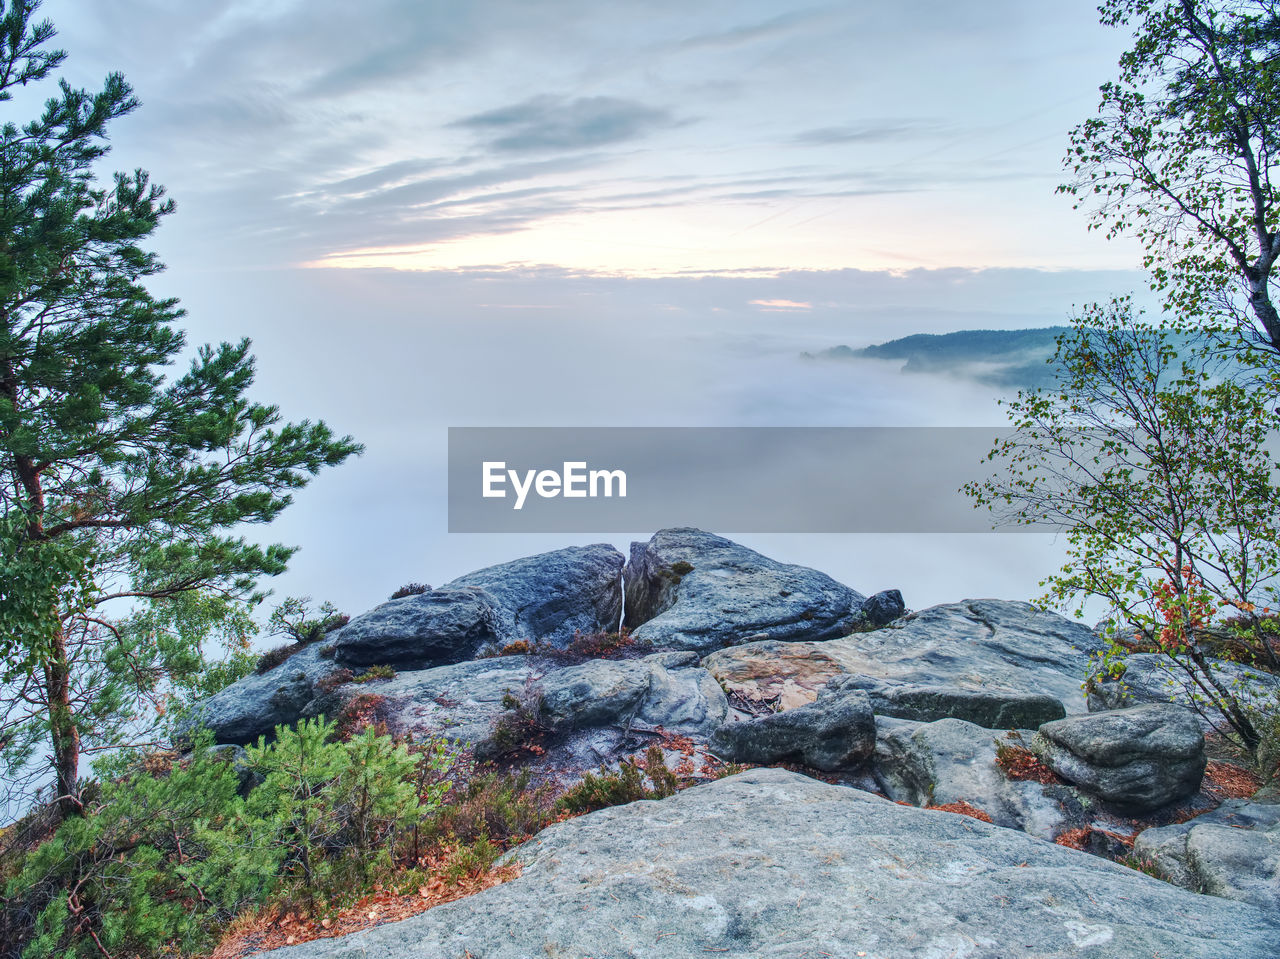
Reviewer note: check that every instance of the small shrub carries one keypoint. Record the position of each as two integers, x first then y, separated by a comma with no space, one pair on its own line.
518,647
274,657
296,619
602,645
411,589
375,672
1143,865
1018,762
367,710
521,726
335,679
626,785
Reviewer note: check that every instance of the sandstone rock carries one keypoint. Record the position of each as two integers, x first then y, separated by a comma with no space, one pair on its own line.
442,626
835,732
543,598
255,705
951,761
1142,757
884,607
772,864
991,662
551,596
989,708
1232,852
464,701
686,589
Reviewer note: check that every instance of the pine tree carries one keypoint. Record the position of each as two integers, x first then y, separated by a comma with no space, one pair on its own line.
122,483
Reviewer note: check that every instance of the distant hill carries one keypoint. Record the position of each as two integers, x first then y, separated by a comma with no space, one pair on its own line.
1005,359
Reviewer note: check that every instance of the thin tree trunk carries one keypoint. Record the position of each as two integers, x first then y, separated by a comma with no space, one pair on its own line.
62,727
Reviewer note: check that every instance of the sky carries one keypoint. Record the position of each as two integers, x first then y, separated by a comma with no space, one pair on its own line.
572,213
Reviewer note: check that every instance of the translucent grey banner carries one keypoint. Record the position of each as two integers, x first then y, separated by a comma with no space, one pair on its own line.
728,479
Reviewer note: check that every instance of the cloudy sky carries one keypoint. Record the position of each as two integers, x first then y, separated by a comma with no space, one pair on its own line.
498,212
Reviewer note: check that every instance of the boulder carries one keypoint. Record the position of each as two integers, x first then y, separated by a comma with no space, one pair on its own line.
835,732
994,663
441,626
551,596
951,761
544,598
771,863
255,705
686,589
1143,757
884,607
1232,852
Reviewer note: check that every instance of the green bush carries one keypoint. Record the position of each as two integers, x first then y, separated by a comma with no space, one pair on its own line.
624,786
170,853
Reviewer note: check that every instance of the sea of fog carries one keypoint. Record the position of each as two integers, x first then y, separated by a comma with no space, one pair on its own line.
396,359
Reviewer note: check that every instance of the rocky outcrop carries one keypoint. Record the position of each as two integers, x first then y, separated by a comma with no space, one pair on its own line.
1143,757
770,863
256,704
686,589
549,597
546,598
990,662
836,732
951,761
1232,852
468,702
428,629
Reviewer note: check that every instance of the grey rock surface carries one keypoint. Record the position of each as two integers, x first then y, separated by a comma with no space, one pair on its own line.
687,589
772,864
464,701
1232,851
255,705
550,596
441,626
992,662
950,761
836,732
1141,757
544,598
989,708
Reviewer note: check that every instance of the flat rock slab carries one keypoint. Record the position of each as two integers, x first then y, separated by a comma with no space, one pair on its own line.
1142,757
687,589
991,662
769,863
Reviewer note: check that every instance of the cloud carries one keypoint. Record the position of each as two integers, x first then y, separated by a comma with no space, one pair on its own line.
877,131
754,31
558,123
782,306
